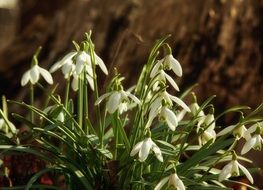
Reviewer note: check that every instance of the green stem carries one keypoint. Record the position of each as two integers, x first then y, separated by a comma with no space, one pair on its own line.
32,102
67,93
96,92
80,101
86,105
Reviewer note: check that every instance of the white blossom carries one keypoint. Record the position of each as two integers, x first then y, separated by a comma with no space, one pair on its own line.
116,100
66,64
33,74
143,149
168,63
173,181
157,108
254,142
8,128
207,135
239,131
232,169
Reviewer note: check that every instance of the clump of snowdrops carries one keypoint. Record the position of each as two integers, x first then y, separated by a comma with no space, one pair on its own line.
144,137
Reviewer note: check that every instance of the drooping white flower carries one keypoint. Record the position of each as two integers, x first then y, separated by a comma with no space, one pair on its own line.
168,63
171,63
143,149
33,74
254,142
173,181
169,117
66,63
83,59
238,131
157,108
232,169
195,110
9,129
117,100
207,135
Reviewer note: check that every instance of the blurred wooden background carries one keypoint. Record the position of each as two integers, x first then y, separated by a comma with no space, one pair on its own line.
218,42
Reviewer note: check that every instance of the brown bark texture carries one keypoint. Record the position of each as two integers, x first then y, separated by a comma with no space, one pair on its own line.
218,42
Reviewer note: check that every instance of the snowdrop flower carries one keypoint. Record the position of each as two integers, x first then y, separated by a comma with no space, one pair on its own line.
232,169
207,135
5,127
206,121
238,131
66,64
143,149
83,59
173,181
168,63
117,100
33,75
162,76
157,108
254,142
195,110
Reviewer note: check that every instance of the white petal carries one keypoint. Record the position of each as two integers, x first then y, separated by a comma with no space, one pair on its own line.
12,127
176,66
170,118
180,103
226,130
75,83
171,81
180,185
25,78
246,172
161,183
155,68
157,152
63,61
145,149
134,98
180,115
113,102
67,68
90,81
248,145
82,59
46,75
225,172
136,148
101,64
34,74
98,101
210,121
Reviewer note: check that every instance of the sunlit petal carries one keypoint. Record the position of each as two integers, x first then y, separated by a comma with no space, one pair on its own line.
136,148
246,172
248,145
101,64
161,183
46,75
25,78
113,102
34,74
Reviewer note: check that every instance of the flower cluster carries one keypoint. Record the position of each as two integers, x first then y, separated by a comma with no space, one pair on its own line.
145,137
